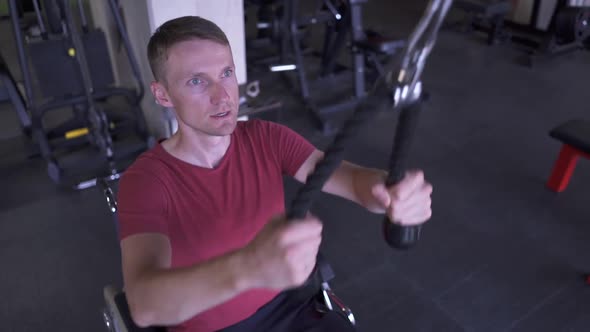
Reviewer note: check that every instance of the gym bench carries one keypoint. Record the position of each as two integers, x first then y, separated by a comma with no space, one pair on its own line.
575,137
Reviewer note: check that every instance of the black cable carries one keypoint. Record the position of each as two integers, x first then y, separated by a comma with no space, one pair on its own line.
334,154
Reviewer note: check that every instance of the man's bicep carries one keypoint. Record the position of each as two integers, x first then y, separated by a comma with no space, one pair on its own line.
142,205
144,252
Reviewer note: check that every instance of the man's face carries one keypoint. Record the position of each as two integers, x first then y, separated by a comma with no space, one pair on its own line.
201,86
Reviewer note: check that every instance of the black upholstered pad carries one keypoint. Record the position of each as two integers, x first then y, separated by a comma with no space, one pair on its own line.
575,133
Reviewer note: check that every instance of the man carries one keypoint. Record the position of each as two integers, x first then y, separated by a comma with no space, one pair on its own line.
204,242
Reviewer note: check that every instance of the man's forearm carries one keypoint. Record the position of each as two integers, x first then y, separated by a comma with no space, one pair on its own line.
364,179
355,183
171,296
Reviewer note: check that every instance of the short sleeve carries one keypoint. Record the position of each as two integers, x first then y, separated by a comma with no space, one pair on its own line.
142,204
291,149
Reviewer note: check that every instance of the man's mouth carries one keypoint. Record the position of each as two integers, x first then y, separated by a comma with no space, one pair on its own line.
221,115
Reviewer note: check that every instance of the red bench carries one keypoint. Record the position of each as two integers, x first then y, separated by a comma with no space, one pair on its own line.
575,136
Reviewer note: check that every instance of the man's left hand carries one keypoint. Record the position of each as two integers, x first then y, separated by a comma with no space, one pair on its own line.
408,202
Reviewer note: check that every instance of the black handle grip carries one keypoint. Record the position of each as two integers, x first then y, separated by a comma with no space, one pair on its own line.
397,236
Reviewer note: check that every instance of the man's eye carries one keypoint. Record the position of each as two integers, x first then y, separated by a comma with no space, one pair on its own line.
195,81
228,73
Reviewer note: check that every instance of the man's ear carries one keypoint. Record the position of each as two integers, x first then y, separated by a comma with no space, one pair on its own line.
160,94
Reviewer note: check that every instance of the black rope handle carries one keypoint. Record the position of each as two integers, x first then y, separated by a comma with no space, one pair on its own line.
404,85
396,235
334,154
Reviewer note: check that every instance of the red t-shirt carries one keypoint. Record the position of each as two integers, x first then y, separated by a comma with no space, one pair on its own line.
208,212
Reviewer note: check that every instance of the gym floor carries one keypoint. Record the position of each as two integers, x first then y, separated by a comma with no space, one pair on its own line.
501,253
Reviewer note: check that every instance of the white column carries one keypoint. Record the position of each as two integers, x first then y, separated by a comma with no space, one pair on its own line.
227,14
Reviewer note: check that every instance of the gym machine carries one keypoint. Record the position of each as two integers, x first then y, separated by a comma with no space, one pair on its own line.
326,86
543,28
552,27
66,68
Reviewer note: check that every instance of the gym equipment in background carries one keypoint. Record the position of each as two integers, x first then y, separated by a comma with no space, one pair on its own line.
85,126
575,138
335,78
542,28
486,16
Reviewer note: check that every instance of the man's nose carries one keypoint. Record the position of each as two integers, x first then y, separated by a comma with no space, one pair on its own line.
219,94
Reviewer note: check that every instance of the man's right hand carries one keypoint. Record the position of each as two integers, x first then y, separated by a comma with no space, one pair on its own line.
283,254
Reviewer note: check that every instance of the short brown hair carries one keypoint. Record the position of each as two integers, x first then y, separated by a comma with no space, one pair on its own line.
178,30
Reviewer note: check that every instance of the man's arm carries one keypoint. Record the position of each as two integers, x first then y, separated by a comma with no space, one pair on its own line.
281,256
348,181
408,202
158,295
